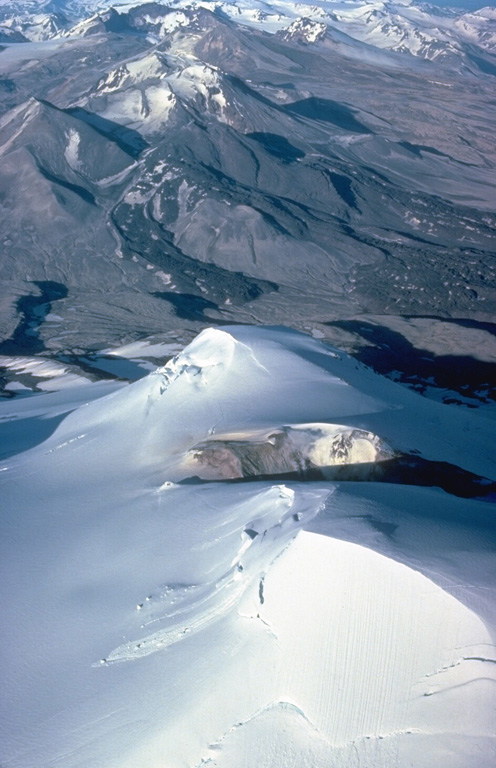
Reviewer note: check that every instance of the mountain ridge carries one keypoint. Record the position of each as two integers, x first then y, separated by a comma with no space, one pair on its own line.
206,170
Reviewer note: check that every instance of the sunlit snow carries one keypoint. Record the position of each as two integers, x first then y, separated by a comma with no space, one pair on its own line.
155,618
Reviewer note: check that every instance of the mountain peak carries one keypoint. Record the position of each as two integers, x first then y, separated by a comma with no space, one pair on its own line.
305,30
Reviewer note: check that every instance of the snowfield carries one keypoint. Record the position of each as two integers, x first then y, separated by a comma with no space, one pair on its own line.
158,617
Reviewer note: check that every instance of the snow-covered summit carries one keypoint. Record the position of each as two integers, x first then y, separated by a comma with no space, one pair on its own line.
305,30
140,595
31,27
478,27
153,19
416,28
144,92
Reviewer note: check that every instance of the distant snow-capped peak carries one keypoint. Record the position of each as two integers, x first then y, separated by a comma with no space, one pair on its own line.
305,30
478,27
399,25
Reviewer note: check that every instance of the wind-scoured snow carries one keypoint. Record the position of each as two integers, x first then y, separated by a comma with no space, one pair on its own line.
154,618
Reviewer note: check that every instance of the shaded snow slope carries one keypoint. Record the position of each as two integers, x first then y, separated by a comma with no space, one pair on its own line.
154,619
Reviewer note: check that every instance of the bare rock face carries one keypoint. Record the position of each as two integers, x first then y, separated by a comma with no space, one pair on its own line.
300,450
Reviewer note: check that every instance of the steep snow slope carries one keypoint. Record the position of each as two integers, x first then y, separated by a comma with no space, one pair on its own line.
154,619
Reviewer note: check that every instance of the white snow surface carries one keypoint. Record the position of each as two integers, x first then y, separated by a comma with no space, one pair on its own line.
143,93
150,622
56,374
399,25
426,31
416,28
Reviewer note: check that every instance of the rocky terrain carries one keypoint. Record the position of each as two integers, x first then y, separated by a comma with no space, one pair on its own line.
167,167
